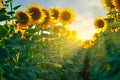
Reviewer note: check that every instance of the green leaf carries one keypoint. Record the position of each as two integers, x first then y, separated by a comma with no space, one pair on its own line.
12,18
3,32
4,17
112,12
109,19
11,28
2,11
3,53
10,13
16,7
32,31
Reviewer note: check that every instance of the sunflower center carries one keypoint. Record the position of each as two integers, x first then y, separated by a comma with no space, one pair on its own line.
55,14
66,16
100,24
23,18
35,13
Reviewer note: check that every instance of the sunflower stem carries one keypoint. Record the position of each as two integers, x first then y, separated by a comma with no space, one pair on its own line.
42,33
51,32
11,6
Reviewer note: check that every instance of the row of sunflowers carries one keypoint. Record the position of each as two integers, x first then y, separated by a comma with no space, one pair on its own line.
35,43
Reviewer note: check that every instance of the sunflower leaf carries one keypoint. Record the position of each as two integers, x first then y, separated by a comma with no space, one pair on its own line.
2,11
16,7
3,32
4,17
11,13
112,12
109,19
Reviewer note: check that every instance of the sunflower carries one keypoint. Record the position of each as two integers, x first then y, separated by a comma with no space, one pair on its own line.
48,18
23,19
67,16
100,24
116,3
107,4
55,14
36,13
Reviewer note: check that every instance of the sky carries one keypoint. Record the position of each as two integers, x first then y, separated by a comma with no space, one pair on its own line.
85,11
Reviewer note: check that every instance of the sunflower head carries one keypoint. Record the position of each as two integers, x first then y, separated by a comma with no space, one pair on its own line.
107,4
55,13
67,16
100,24
36,13
48,19
23,19
116,3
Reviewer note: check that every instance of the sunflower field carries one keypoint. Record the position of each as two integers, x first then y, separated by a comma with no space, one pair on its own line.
37,44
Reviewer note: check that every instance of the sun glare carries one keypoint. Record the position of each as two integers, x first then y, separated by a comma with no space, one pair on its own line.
85,35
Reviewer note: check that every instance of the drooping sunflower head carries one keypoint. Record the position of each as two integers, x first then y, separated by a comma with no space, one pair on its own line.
48,19
55,13
23,19
67,16
100,24
36,13
107,4
116,3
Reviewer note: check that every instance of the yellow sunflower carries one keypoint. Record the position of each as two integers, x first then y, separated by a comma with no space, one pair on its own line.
116,3
23,19
36,13
100,24
48,18
67,16
55,14
107,4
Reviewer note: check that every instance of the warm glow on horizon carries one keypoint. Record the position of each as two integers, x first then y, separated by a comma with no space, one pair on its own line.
85,29
85,35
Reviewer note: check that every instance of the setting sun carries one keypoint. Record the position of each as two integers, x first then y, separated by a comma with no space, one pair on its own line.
85,35
84,29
